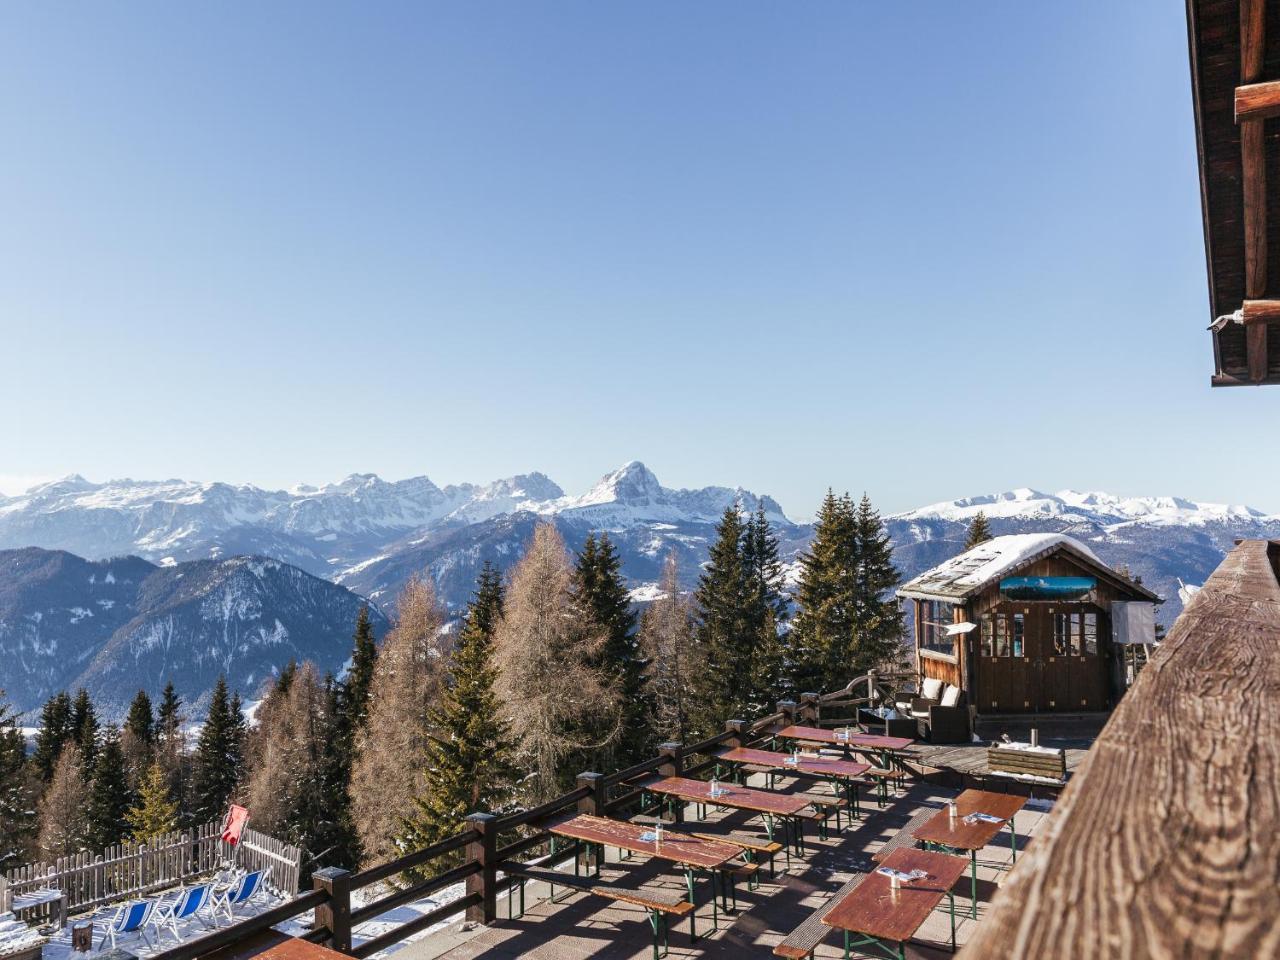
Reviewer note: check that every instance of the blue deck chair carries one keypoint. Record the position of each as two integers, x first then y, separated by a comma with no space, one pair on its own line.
132,917
189,904
241,892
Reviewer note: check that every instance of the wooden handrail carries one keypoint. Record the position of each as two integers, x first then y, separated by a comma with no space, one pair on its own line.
1165,843
415,892
385,940
408,862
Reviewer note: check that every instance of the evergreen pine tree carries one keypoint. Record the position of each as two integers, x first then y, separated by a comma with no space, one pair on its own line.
140,721
766,614
54,732
820,645
602,596
979,531
470,757
154,813
359,679
109,795
84,729
877,620
137,740
216,762
722,690
17,792
169,715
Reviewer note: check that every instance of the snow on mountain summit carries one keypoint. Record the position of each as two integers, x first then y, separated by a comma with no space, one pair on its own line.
1104,509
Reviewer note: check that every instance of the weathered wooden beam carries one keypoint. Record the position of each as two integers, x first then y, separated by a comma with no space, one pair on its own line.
1258,101
1254,102
1253,21
1261,311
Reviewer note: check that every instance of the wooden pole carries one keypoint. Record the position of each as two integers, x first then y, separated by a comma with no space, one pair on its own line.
335,914
482,849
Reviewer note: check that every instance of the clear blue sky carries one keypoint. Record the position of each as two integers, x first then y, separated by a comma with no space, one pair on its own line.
926,250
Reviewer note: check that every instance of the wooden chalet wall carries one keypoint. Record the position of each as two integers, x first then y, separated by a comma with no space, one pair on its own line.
1166,843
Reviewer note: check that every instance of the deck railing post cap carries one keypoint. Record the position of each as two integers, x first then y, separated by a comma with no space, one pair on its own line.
809,695
737,726
590,775
480,819
787,705
330,873
670,746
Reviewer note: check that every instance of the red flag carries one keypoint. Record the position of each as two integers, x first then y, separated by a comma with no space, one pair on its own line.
233,826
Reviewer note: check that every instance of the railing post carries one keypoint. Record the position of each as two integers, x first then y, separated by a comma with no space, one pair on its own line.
672,766
483,849
809,707
788,709
593,802
735,729
334,915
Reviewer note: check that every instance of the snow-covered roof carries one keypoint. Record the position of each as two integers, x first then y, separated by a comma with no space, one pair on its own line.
974,569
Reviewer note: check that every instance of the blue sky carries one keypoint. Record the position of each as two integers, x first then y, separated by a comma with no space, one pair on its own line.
927,250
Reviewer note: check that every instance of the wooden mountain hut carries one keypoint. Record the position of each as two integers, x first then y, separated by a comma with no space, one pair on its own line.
1025,624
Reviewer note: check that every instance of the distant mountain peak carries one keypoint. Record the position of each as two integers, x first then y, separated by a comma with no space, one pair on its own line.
632,483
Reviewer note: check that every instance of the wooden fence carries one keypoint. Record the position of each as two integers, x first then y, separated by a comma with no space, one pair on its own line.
134,869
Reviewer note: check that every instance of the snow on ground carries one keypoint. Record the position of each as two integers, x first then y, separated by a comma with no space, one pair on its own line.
16,936
59,945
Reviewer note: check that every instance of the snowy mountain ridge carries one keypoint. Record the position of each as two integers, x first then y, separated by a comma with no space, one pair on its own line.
1092,507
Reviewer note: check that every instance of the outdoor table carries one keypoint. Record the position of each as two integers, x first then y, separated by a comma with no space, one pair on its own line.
689,853
942,830
296,949
840,773
873,743
881,915
764,802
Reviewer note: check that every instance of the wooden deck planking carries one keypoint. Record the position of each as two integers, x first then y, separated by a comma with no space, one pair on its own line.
1166,842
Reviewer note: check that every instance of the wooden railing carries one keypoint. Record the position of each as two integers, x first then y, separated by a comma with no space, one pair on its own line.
1165,843
475,854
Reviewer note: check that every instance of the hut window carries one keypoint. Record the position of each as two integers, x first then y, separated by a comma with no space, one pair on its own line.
1019,633
1091,634
1002,635
1060,634
1077,649
988,635
937,617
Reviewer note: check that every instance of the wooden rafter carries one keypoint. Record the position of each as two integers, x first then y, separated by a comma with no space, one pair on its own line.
1254,102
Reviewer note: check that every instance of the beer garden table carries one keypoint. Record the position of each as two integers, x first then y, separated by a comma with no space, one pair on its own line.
953,833
689,853
764,802
840,773
881,915
878,746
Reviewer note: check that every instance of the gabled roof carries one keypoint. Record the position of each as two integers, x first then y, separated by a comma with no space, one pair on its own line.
974,570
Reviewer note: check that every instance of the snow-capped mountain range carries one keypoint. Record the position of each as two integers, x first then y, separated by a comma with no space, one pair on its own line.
367,536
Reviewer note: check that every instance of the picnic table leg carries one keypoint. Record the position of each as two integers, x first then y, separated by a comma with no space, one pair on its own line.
951,896
1013,840
688,882
973,883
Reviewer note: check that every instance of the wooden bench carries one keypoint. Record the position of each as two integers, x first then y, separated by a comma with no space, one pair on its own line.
1041,764
660,904
804,939
904,838
881,777
753,847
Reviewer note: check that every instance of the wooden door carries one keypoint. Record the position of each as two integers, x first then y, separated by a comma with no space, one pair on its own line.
1007,680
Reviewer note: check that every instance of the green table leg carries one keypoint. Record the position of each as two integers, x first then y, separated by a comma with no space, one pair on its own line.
973,883
952,898
1013,840
688,882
